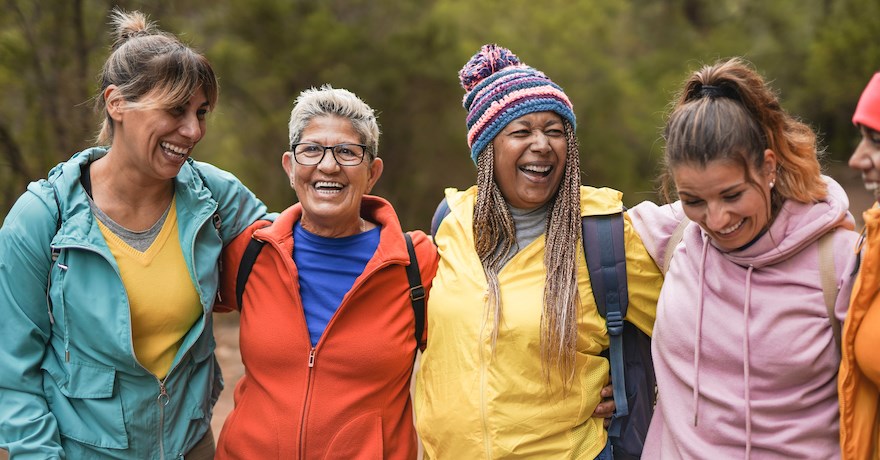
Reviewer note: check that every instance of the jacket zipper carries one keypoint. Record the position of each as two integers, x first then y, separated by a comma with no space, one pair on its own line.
305,411
162,400
288,262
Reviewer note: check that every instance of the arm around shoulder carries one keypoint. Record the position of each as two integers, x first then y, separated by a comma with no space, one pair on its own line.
231,261
237,205
644,280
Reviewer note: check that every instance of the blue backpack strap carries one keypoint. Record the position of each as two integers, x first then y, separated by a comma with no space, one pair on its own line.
606,262
416,289
244,268
441,212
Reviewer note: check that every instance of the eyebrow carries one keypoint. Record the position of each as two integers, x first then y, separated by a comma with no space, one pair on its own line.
722,192
526,123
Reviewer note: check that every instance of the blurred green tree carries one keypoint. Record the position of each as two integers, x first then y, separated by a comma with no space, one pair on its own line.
620,61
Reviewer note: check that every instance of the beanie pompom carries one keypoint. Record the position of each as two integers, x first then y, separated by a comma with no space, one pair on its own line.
490,59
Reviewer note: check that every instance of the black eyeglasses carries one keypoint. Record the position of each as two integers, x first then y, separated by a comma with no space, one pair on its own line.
310,153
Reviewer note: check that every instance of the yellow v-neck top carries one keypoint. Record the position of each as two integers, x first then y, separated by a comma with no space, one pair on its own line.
163,301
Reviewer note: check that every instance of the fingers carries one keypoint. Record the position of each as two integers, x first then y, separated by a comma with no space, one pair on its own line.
604,409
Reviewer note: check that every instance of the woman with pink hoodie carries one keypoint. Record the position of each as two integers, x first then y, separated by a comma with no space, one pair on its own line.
744,345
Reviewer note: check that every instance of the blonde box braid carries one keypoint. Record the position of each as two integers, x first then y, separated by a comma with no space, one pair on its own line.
495,234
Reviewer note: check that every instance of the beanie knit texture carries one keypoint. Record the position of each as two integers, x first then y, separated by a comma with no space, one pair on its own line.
499,89
868,110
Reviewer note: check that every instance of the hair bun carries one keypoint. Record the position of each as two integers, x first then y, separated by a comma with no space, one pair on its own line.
490,59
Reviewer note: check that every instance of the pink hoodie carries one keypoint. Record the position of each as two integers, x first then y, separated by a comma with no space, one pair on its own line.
743,348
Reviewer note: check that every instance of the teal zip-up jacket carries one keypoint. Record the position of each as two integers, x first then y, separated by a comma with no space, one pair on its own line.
70,385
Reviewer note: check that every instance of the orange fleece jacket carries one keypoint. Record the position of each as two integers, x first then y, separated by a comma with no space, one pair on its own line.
349,396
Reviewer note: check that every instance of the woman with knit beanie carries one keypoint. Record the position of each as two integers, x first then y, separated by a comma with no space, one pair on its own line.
859,376
514,365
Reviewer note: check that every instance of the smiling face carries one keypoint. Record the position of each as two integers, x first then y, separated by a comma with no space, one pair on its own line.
331,194
720,197
157,141
529,159
866,158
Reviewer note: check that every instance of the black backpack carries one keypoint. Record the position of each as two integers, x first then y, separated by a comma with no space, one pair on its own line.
629,354
414,277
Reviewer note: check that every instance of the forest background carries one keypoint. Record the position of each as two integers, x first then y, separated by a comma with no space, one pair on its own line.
620,62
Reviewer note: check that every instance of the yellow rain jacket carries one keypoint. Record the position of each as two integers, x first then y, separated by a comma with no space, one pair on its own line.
473,404
858,395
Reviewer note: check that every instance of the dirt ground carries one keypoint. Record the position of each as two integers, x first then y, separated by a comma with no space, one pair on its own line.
226,325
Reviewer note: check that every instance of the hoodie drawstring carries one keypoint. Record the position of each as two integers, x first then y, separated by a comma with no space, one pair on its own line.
746,364
699,332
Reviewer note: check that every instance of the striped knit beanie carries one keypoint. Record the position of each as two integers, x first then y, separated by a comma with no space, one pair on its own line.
499,89
868,110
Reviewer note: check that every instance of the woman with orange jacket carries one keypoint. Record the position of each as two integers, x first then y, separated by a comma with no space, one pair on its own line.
859,376
327,319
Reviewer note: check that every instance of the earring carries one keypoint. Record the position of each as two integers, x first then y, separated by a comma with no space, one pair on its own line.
772,183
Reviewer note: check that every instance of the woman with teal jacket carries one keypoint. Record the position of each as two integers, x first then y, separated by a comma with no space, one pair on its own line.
108,271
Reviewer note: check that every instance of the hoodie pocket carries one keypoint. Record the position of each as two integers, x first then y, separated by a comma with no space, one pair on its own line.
84,405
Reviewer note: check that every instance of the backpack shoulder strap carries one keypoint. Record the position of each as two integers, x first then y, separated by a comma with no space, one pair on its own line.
828,274
215,218
416,289
245,266
604,250
676,237
441,212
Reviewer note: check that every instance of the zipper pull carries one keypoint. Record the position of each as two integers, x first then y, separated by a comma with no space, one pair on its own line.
312,357
163,399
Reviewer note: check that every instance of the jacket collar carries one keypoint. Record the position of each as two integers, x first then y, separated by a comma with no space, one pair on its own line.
194,200
373,208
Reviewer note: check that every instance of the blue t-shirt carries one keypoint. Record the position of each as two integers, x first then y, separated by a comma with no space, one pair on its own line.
327,270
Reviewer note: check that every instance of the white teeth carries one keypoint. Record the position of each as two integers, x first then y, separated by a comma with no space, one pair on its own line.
537,169
872,186
325,184
174,149
732,228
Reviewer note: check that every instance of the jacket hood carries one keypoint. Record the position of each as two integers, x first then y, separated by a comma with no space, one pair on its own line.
192,194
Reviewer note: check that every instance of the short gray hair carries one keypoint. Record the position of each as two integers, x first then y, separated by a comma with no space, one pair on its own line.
329,101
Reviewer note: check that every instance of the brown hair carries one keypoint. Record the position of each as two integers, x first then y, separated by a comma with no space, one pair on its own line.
495,234
726,111
147,61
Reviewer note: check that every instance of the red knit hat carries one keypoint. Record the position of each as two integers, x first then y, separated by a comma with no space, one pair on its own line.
868,110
